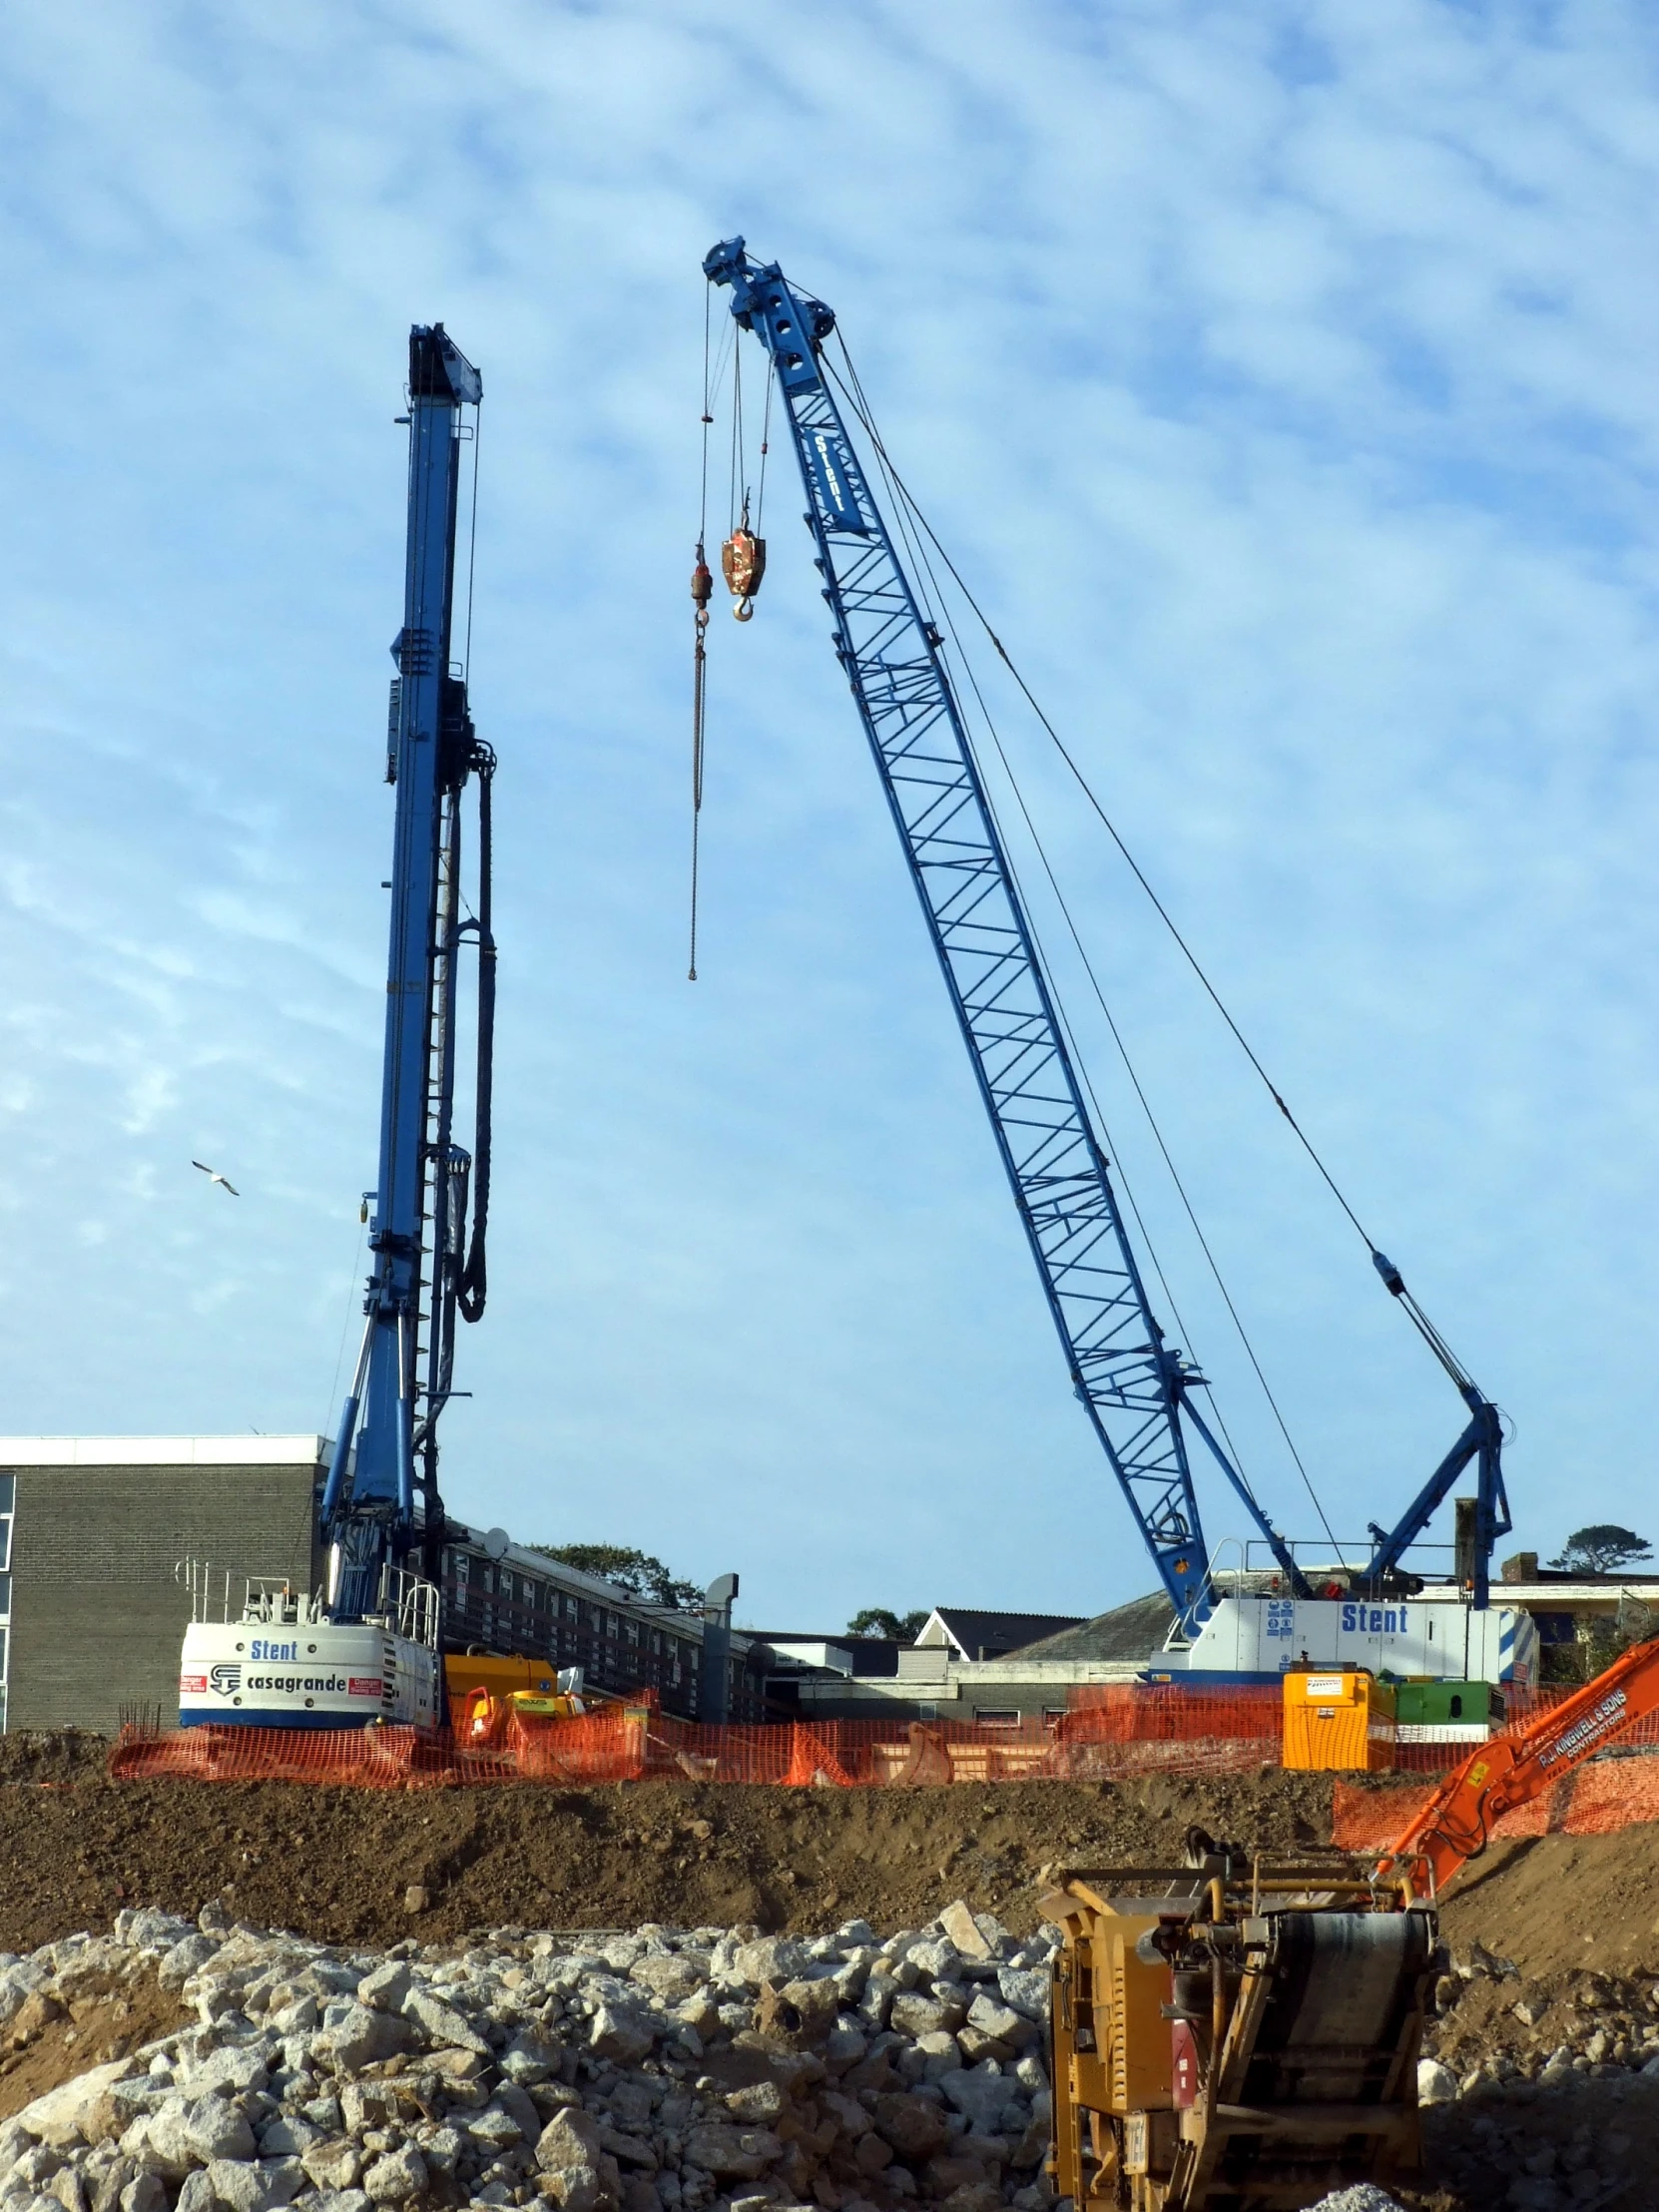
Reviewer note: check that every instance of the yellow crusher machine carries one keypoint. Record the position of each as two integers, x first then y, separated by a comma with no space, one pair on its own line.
1237,2035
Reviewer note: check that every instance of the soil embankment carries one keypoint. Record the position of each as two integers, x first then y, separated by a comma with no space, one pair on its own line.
338,1863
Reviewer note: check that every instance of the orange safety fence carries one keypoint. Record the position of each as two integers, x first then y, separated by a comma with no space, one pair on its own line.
632,1743
1604,1794
375,1757
1115,1732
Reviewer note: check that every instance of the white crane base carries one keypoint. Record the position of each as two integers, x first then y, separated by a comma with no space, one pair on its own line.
307,1673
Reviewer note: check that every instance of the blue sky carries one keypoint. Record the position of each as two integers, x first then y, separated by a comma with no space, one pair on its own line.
1282,377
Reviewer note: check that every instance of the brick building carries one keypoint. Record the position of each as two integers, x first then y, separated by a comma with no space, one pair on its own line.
524,1601
93,1613
95,1527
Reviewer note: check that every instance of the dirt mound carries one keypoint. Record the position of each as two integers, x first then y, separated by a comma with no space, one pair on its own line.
56,2036
337,1864
1555,1902
55,1754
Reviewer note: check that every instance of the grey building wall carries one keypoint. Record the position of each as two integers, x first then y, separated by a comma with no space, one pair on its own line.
97,1617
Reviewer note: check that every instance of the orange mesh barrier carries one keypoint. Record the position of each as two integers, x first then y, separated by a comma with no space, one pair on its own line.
631,1742
1113,1733
358,1758
1121,1729
1594,1800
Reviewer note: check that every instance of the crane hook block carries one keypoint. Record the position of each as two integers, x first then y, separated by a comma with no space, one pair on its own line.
743,561
702,585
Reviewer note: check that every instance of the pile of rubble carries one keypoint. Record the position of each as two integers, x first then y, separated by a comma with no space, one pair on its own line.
660,2070
1544,2092
1496,2027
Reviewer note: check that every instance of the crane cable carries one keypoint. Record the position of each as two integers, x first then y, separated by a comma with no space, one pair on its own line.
701,588
1392,1281
919,555
473,1276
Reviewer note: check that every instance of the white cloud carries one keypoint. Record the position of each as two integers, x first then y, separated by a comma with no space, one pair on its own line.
1280,377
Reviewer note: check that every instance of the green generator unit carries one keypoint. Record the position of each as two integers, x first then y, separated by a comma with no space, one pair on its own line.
1445,1712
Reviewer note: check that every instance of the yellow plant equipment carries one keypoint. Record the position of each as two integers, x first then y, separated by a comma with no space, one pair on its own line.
1237,2035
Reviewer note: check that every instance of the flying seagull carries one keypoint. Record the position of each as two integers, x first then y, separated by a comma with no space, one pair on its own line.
214,1176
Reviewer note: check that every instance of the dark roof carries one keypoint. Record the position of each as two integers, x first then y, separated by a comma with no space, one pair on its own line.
1131,1631
870,1654
993,1635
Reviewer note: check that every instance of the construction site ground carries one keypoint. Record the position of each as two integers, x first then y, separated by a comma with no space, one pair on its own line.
1566,1929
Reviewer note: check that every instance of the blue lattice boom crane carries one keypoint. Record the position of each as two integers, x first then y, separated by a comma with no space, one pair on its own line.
1137,1390
366,1647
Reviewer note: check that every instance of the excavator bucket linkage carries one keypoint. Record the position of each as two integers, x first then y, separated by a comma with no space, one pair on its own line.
1238,2035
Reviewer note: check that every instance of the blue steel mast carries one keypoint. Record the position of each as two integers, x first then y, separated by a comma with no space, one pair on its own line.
421,1270
1135,1388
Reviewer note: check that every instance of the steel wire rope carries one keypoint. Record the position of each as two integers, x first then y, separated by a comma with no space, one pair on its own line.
902,506
919,555
766,441
736,442
923,566
471,547
699,652
1391,1279
346,1326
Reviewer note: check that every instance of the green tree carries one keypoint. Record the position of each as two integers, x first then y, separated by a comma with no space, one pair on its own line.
638,1573
878,1620
1602,1548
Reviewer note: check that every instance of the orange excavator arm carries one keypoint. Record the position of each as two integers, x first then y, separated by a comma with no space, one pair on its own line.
1457,1820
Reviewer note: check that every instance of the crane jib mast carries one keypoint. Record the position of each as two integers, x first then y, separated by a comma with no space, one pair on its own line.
1136,1389
422,1271
365,1649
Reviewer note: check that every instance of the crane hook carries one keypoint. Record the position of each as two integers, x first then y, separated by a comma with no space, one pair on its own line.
743,560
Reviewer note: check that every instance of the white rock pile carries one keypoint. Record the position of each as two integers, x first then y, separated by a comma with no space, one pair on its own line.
661,2071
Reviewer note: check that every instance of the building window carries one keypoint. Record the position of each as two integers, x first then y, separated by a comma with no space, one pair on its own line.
996,1716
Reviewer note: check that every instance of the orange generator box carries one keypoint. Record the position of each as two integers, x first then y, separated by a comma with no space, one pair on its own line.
1338,1718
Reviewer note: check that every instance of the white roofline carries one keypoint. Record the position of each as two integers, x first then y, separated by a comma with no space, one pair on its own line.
162,1451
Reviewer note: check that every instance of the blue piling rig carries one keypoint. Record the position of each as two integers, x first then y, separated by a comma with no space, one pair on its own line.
1136,1390
380,1503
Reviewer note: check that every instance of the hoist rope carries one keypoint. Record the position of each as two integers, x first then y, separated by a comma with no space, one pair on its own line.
473,1283
699,655
471,547
922,567
707,424
1391,1275
766,441
736,442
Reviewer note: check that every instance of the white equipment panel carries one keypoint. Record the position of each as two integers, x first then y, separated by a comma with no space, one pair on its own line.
1257,1638
255,1674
